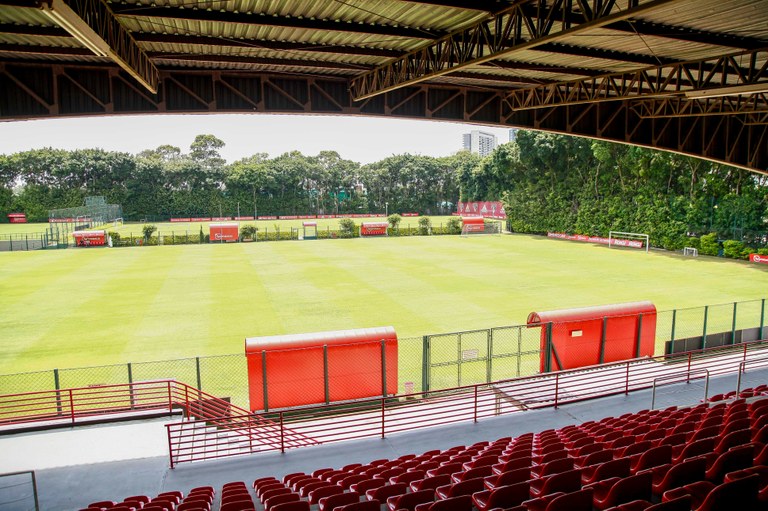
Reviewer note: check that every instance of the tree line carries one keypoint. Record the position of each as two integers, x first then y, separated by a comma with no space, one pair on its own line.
552,182
164,182
548,182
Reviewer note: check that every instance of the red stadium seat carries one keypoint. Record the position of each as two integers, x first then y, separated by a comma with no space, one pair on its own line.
502,497
341,499
430,483
326,491
466,487
513,476
409,501
280,499
611,492
366,505
299,505
614,468
460,503
382,493
667,477
563,482
575,501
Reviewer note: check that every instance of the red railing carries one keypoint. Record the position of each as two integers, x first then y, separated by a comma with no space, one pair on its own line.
70,406
195,440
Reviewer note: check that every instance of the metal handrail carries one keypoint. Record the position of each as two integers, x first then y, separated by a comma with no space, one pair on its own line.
675,379
743,369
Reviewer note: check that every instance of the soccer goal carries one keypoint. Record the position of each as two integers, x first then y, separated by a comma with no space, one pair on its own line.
474,225
691,252
629,239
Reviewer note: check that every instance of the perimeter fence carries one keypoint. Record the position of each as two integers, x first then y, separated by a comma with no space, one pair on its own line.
435,361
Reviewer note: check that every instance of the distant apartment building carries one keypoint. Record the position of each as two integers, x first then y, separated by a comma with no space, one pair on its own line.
479,142
512,134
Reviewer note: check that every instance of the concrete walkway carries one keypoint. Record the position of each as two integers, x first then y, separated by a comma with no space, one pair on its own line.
81,465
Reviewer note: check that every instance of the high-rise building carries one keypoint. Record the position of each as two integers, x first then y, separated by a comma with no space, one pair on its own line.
479,142
512,134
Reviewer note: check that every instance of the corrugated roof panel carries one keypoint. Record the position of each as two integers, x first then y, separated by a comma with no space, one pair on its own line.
384,12
24,16
736,17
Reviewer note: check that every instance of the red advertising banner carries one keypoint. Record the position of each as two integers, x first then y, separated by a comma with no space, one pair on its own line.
179,219
409,214
244,218
289,217
17,218
486,209
200,219
757,258
221,218
270,217
595,239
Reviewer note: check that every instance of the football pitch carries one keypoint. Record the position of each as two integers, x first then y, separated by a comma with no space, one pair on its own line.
83,307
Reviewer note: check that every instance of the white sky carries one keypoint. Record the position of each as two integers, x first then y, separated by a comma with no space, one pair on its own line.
361,139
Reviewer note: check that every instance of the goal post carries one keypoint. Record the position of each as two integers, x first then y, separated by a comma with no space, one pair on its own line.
691,252
475,225
629,239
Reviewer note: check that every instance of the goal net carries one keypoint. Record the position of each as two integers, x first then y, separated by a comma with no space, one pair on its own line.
629,240
477,225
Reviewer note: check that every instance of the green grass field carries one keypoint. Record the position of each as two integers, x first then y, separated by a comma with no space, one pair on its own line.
81,307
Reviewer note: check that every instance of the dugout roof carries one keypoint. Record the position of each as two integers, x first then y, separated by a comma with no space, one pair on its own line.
684,75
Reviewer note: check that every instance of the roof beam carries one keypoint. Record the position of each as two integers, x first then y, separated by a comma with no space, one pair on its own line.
599,53
194,14
256,61
257,44
94,26
521,27
730,75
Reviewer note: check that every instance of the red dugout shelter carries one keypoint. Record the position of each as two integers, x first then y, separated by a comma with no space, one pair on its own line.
587,336
321,367
473,224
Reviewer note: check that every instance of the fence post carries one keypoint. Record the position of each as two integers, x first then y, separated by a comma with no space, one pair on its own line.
130,384
602,339
71,406
519,348
672,334
282,433
626,384
383,368
458,362
382,417
489,357
475,412
704,329
733,325
264,379
688,377
58,390
26,241
170,444
762,317
548,349
639,334
325,374
197,370
557,388
425,362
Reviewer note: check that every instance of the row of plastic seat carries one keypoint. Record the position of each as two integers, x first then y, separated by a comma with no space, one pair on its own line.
198,499
613,460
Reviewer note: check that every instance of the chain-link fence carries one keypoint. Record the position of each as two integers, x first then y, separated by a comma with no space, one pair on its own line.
442,361
17,242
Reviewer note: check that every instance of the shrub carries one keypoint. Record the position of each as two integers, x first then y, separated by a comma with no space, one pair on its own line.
733,249
148,230
454,225
248,231
394,220
425,225
708,244
201,239
347,228
115,236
